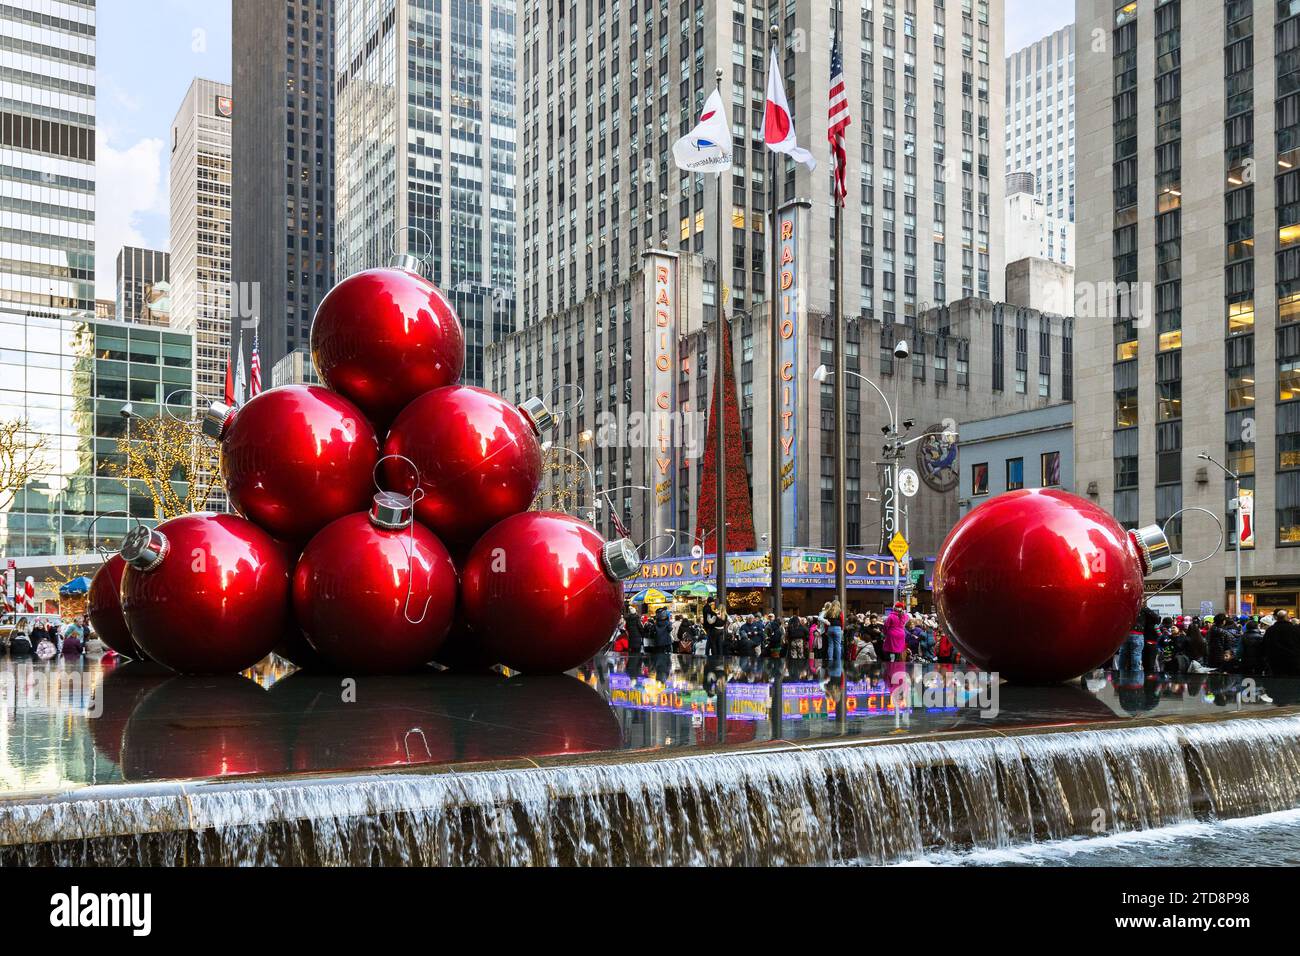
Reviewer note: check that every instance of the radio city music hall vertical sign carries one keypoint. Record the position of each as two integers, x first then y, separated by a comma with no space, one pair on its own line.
661,384
791,329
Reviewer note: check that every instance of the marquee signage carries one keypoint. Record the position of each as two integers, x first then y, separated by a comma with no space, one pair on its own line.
661,385
753,569
791,329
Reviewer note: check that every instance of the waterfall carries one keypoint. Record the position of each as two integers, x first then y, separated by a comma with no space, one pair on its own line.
775,805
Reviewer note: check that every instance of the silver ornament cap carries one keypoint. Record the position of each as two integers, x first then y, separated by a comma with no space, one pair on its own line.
408,262
1154,548
144,548
539,416
217,419
391,511
621,559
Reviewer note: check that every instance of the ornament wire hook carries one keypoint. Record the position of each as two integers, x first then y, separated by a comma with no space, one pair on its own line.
105,554
672,543
393,254
416,495
566,409
167,403
1183,566
406,742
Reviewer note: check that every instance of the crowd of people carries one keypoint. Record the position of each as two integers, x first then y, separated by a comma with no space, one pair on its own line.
869,637
1268,644
1249,644
46,640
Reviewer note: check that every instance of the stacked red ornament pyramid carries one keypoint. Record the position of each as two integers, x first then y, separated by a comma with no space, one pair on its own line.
381,520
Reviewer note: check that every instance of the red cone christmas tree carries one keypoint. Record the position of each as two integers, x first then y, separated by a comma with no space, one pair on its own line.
739,510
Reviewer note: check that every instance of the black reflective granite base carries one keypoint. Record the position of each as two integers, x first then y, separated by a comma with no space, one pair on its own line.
659,761
66,725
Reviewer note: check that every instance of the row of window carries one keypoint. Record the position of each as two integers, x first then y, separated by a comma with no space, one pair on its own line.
1049,473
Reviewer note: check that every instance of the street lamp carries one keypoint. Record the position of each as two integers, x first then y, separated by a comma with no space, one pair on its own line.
893,455
1235,508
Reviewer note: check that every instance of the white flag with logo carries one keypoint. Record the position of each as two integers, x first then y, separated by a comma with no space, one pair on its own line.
706,148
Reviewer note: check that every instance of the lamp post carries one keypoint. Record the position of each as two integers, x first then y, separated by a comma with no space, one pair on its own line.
893,453
1235,508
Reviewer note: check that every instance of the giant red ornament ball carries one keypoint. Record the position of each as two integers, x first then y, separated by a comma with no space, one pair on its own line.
104,608
374,593
544,591
479,459
1040,585
295,458
383,337
205,593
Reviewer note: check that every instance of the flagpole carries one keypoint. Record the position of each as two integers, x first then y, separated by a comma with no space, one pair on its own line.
720,423
774,370
841,503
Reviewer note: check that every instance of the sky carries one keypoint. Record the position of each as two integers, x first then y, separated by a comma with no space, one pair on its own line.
150,50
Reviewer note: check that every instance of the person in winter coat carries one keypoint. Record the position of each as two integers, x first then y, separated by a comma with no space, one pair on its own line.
663,631
635,639
834,640
1282,645
1221,641
715,626
895,631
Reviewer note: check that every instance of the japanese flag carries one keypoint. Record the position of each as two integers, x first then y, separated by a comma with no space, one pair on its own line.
778,125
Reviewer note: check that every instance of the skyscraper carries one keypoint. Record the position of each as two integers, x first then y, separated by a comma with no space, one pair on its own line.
1189,136
282,243
200,231
138,272
425,140
1039,134
47,156
605,91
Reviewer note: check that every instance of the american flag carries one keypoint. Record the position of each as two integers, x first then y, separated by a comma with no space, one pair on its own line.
839,120
255,371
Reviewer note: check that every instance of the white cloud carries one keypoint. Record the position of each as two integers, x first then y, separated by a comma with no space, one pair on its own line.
130,184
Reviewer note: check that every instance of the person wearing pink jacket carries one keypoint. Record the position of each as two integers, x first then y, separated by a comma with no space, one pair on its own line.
895,633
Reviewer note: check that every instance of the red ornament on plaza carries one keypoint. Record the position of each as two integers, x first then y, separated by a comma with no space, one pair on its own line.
375,593
1041,586
295,458
384,337
205,593
479,459
104,608
544,591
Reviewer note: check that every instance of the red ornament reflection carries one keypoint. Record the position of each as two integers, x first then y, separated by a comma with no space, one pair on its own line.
535,590
383,337
1038,585
479,460
200,727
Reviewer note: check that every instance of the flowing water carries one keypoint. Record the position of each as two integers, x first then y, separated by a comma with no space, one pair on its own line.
814,804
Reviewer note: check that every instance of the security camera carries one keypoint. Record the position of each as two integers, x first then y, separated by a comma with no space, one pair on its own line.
127,411
909,424
901,351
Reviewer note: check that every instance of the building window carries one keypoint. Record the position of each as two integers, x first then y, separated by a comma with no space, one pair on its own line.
1126,408
1015,473
1050,469
1288,381
979,479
